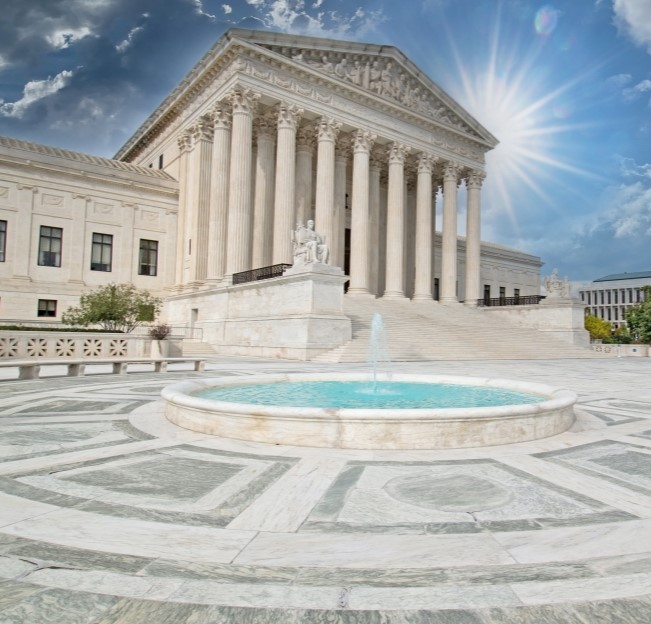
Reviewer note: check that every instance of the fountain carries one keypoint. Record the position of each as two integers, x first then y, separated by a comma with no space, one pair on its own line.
380,410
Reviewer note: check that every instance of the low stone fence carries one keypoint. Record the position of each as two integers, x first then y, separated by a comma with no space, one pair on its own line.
622,350
86,345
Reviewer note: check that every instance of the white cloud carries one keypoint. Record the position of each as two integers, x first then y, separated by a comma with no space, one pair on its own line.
295,17
633,92
63,37
227,8
126,43
619,80
198,7
629,168
33,91
634,18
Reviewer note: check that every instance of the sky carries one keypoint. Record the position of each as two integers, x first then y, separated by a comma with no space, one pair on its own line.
565,86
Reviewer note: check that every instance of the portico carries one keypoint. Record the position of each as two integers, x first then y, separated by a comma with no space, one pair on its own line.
271,130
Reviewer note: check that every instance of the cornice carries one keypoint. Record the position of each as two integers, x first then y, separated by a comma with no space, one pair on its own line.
245,52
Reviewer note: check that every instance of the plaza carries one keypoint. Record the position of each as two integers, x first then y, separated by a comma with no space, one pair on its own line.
111,514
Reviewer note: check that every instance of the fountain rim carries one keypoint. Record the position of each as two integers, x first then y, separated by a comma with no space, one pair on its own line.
554,398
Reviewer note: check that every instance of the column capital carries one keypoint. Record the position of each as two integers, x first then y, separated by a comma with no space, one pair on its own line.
378,157
343,146
327,129
426,163
243,101
363,141
202,129
305,137
221,117
474,179
184,141
398,153
289,115
451,172
264,126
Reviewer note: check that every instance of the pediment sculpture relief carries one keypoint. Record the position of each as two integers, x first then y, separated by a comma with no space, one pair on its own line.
381,76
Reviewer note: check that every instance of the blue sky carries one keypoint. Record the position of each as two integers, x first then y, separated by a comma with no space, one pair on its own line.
565,86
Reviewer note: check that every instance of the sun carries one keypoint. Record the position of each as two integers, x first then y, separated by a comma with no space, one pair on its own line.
532,119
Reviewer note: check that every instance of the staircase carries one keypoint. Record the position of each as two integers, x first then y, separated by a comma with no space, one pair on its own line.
427,330
192,347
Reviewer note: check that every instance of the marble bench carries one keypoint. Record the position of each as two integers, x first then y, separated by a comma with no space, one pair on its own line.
30,369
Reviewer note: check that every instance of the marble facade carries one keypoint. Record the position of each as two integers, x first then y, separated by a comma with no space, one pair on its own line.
267,131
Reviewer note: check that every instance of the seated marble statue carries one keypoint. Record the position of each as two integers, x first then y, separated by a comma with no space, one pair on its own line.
308,246
557,287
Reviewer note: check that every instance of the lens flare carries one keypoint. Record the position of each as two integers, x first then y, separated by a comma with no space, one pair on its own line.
508,92
546,20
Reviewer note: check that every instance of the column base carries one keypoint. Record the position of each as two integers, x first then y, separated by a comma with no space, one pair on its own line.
394,296
423,297
471,303
360,291
449,301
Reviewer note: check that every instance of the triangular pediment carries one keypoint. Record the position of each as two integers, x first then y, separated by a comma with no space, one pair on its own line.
381,71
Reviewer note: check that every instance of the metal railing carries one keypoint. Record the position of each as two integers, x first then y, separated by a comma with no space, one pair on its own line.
510,301
275,270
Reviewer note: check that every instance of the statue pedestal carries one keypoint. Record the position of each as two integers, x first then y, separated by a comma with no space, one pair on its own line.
296,316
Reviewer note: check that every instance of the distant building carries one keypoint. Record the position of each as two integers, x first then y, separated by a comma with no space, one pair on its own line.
610,297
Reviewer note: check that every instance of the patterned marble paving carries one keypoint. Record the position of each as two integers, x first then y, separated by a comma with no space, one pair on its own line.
110,514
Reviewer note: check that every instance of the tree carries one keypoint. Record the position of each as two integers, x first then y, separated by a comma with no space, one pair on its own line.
638,318
116,307
598,328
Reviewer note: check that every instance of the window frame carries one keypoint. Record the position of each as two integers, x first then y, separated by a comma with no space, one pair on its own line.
44,311
55,256
146,249
3,240
102,246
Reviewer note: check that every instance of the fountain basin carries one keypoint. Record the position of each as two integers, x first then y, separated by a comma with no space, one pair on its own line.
372,428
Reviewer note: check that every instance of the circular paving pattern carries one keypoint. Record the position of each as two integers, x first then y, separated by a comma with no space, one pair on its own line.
111,514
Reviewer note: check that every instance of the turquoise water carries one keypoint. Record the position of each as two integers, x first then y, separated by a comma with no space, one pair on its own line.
364,394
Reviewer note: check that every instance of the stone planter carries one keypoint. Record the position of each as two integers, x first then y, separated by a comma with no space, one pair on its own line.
160,348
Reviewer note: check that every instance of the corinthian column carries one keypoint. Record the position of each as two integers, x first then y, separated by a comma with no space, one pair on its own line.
449,242
327,131
395,288
376,162
185,143
359,234
264,193
342,149
288,117
424,229
221,162
473,238
240,219
304,158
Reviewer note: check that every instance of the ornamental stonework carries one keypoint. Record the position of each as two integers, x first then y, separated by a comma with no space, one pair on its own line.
382,77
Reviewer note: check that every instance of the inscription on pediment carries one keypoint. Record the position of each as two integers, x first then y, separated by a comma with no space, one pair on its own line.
381,76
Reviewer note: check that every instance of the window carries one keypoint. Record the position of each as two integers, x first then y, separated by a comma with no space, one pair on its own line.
49,246
102,252
436,289
608,295
47,307
615,292
160,161
516,293
148,258
487,292
3,240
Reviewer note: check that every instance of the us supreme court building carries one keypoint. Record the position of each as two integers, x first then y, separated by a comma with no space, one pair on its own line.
266,132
